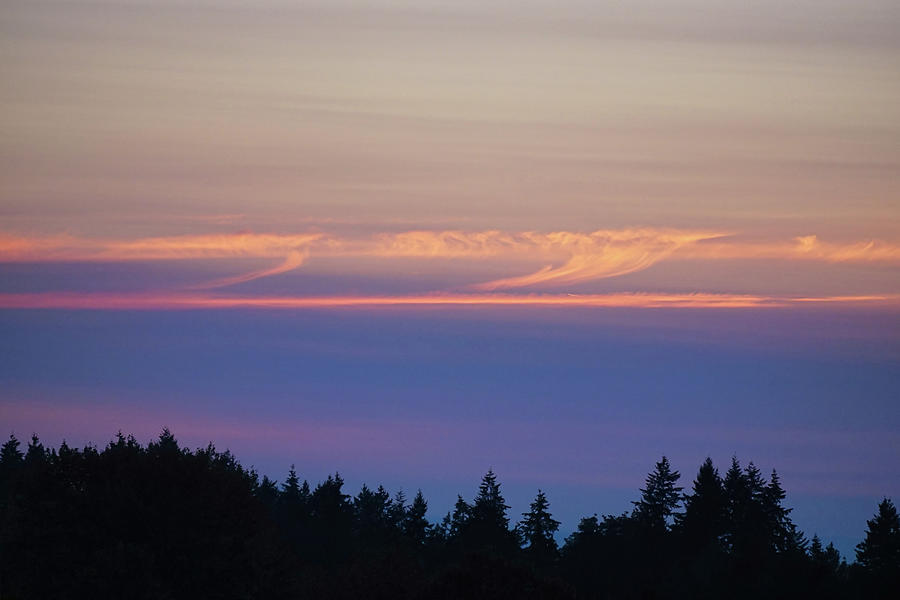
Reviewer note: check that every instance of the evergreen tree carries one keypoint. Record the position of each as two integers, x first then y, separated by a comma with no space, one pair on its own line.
166,445
305,494
756,485
267,492
331,516
587,527
11,460
833,557
796,542
784,536
487,526
459,520
329,502
440,532
290,489
397,511
538,528
372,510
415,526
35,452
816,551
879,552
10,455
737,501
824,572
659,498
703,521
750,507
825,559
490,507
605,558
293,510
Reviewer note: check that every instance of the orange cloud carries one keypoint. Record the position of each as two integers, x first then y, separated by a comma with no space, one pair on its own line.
249,245
807,247
451,244
293,249
873,250
107,301
580,256
600,254
43,248
66,248
566,257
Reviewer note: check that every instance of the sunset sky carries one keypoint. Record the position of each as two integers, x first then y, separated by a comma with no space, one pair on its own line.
414,239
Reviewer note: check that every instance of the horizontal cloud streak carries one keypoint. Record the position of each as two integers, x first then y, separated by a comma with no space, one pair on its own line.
807,247
66,248
103,301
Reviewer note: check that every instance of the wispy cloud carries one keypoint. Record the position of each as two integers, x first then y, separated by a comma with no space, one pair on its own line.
293,261
292,249
565,257
599,255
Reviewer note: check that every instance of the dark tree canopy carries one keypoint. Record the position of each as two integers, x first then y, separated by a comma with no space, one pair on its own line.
165,522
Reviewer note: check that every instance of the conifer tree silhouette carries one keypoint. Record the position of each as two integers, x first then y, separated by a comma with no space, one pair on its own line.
10,455
487,528
415,525
538,528
659,498
702,524
879,552
784,535
459,520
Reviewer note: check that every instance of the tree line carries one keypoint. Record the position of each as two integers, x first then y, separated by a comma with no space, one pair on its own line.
164,522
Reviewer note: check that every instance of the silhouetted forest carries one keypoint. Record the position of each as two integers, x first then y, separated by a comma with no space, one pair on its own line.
165,522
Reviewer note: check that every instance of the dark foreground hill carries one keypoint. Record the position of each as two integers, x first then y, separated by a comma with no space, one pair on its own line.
164,522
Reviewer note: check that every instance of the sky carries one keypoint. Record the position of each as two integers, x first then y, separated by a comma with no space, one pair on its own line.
411,241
